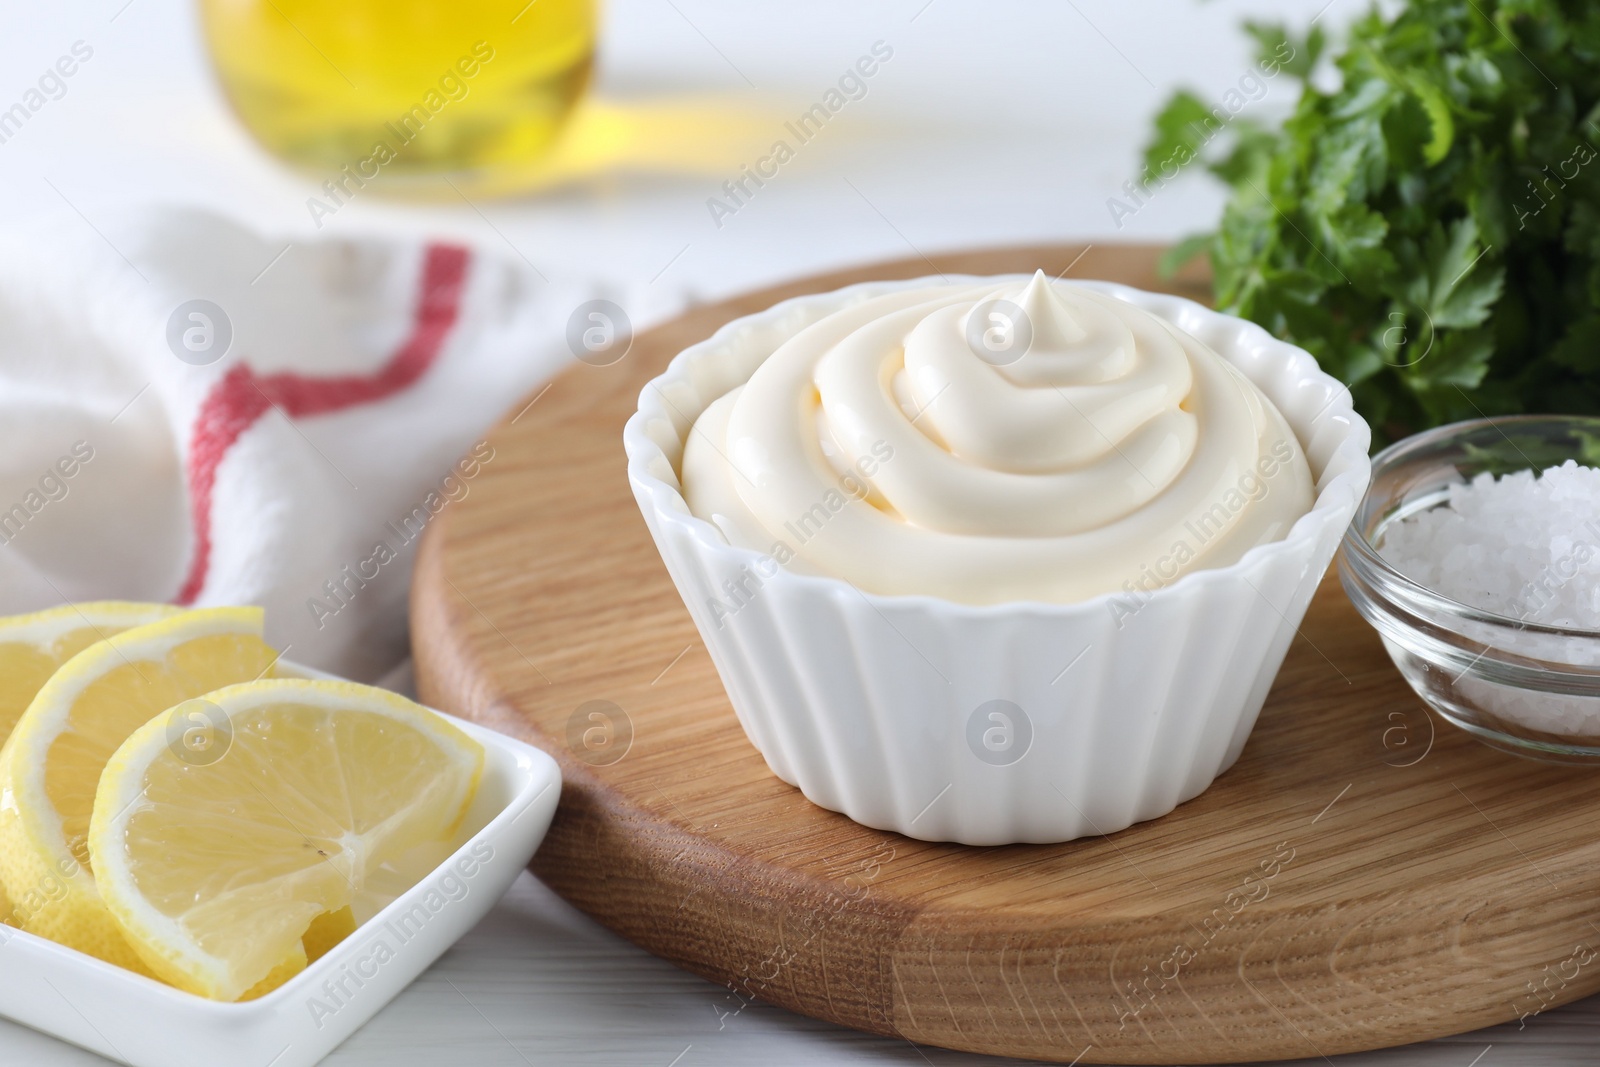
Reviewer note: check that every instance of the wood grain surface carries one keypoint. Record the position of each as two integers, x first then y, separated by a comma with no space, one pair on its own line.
1365,876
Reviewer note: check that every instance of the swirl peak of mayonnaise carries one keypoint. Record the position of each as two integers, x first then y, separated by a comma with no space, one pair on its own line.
995,441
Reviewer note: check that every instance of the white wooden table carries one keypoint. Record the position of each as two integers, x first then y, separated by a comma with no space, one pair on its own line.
997,121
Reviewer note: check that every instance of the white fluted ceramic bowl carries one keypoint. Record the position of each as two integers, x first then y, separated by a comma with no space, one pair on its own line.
1023,722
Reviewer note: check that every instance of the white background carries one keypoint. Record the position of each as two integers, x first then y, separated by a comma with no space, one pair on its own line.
996,121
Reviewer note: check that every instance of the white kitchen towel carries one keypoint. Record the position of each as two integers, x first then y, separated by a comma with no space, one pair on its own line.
201,415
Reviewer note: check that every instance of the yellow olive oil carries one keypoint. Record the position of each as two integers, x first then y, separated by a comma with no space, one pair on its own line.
403,89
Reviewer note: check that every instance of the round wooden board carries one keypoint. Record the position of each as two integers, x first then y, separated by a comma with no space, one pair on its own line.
1355,881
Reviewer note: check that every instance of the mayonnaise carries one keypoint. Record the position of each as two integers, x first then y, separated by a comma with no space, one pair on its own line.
939,441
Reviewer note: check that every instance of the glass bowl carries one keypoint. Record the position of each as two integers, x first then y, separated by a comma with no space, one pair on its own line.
1526,688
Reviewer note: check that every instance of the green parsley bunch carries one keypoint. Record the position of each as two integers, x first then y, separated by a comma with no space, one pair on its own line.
1430,228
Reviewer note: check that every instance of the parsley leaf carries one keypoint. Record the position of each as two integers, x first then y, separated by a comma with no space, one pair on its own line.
1426,222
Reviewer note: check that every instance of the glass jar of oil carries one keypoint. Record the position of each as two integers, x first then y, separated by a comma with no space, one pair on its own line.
404,92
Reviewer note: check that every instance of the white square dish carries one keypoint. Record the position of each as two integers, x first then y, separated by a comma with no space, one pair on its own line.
140,1022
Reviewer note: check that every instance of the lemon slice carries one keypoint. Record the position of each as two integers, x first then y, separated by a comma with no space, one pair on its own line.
33,646
217,871
51,764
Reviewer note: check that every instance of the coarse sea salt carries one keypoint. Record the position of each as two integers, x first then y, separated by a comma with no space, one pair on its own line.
1524,546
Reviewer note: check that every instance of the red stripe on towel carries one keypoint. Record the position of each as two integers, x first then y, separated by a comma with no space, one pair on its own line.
242,396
